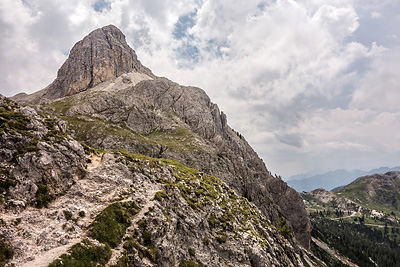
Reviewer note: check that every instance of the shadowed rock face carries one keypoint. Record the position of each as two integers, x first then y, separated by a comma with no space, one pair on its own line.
100,56
292,207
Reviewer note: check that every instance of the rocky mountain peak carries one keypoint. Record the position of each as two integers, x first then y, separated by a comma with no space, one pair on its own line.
101,55
129,110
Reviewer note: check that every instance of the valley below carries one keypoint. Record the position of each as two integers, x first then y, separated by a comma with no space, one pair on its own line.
359,221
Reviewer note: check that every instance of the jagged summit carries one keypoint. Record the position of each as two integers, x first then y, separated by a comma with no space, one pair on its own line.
101,55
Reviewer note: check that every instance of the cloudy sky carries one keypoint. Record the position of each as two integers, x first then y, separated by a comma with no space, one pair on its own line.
311,84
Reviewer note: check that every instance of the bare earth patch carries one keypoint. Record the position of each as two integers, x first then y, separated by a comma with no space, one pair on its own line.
95,161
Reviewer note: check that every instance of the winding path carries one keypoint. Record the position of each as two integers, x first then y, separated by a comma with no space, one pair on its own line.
49,256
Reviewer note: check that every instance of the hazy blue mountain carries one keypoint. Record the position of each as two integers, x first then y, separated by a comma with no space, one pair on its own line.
302,176
331,179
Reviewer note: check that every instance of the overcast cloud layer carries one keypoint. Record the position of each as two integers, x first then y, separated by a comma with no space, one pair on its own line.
309,83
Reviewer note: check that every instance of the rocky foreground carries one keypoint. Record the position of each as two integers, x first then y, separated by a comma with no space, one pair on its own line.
136,210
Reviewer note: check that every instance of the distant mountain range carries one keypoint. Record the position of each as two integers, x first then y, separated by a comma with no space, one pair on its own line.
332,179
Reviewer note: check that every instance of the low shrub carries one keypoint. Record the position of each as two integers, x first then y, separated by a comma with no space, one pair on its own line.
160,195
82,214
43,196
221,237
6,252
67,215
284,228
84,254
185,263
192,252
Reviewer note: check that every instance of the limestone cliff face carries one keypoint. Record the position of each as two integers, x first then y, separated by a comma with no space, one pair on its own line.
126,106
100,56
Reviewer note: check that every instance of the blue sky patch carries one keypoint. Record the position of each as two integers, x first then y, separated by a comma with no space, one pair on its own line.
189,55
184,23
101,5
261,6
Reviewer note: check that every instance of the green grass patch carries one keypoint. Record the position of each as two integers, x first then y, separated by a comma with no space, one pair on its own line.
212,223
84,254
110,225
384,200
199,189
205,241
221,237
90,150
168,218
122,262
143,251
22,149
147,248
6,251
43,196
160,195
13,122
85,129
186,263
61,106
53,135
180,138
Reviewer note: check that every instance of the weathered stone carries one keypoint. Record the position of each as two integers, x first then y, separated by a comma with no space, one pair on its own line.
100,56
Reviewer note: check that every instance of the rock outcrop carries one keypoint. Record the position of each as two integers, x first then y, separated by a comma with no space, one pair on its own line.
323,198
291,203
37,159
100,56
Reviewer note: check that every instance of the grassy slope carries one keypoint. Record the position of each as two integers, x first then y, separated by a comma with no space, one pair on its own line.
384,200
110,225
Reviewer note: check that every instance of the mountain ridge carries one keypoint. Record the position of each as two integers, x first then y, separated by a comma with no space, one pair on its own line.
332,179
66,204
147,107
157,118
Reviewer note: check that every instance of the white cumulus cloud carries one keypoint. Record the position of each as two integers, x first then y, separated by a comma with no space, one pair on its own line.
309,83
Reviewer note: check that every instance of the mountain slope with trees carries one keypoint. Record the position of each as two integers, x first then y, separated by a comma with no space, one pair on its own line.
361,220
